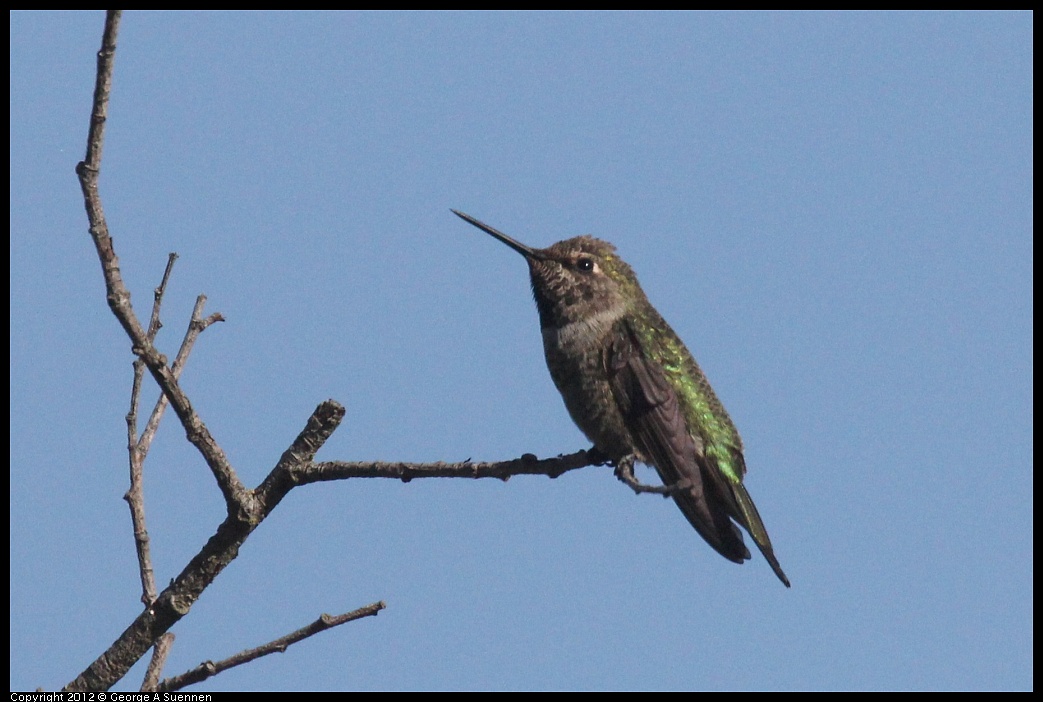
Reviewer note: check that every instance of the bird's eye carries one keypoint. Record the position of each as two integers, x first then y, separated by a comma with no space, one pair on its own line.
585,264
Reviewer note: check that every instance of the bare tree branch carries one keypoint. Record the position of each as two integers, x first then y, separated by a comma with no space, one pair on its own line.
175,601
246,508
209,669
155,323
116,291
294,468
160,651
528,464
137,450
196,325
102,89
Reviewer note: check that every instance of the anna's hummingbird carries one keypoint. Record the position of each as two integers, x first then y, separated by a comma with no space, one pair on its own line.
635,391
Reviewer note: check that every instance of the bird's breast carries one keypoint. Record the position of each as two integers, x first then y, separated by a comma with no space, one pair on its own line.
575,359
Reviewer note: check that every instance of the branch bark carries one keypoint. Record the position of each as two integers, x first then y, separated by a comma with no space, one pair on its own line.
208,669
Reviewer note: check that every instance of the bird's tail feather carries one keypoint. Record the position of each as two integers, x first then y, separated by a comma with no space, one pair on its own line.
751,520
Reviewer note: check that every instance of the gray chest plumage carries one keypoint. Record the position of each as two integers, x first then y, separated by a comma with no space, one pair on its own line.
576,360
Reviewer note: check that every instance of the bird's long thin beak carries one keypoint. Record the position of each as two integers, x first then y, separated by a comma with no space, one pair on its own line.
526,251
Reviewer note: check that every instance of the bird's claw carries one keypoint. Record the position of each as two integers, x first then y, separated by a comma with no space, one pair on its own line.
625,472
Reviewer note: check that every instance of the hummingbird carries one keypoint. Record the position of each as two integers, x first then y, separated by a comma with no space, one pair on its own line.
633,388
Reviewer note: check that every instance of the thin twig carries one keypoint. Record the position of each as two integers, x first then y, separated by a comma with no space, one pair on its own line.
102,88
135,495
155,665
209,668
137,449
154,323
501,470
196,326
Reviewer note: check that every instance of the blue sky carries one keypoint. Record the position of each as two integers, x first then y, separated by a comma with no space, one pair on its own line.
833,210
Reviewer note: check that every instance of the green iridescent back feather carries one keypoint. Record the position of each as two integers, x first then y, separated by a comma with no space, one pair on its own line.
706,415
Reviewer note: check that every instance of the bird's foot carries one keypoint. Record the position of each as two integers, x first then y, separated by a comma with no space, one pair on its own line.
625,473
